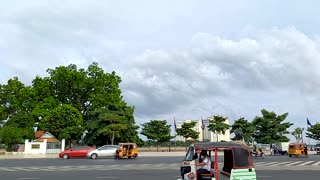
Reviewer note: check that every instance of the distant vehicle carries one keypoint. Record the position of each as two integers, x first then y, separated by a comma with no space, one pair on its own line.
281,148
317,148
76,152
298,149
103,152
128,150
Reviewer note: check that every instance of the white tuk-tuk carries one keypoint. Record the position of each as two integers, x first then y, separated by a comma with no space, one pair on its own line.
237,161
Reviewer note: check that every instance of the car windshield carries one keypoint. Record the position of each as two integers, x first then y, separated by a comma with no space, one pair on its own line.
190,154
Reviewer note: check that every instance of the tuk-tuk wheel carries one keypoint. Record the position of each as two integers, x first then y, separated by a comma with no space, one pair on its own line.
135,155
129,157
290,155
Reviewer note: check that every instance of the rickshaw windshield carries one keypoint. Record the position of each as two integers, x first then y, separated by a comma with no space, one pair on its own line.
190,154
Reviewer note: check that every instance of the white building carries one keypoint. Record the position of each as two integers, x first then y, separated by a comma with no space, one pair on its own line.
206,134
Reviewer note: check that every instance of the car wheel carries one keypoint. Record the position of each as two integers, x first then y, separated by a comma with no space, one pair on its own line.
94,156
65,156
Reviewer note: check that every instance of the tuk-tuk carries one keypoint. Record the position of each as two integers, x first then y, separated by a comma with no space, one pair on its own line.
237,161
129,150
298,149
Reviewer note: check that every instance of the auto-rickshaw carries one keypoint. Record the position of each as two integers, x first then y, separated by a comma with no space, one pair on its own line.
129,150
298,149
237,162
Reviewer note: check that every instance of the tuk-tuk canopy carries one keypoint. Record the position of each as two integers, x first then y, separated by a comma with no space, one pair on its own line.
214,145
236,154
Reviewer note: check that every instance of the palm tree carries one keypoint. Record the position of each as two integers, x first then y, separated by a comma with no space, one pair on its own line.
217,125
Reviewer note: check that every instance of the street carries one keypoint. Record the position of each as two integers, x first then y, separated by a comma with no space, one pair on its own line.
157,168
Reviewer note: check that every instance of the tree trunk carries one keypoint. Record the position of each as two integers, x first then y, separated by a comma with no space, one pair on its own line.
112,138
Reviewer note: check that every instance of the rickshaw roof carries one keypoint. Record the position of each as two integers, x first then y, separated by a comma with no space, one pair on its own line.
126,143
212,145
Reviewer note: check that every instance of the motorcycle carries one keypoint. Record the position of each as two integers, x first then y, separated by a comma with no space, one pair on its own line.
258,153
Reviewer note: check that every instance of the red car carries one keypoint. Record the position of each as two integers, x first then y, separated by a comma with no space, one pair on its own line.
76,152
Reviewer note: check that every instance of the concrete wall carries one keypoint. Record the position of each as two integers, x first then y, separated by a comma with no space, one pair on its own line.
35,147
41,147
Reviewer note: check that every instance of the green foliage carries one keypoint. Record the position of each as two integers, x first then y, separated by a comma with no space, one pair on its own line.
64,122
217,124
85,90
242,129
115,123
186,130
297,133
11,135
314,132
270,128
157,130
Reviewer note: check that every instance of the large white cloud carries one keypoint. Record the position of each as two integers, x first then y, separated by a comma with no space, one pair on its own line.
168,66
276,70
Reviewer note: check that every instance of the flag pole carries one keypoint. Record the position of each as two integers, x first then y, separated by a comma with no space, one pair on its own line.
202,127
175,133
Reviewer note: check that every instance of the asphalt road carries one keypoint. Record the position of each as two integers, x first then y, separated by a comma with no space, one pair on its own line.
155,168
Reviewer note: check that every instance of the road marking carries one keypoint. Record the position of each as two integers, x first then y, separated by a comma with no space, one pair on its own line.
302,164
293,163
281,163
316,164
268,163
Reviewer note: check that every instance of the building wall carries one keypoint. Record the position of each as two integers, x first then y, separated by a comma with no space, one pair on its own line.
208,135
41,147
35,147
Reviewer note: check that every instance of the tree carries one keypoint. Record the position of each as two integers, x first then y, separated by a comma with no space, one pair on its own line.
25,122
11,135
114,126
217,125
10,98
297,133
85,90
64,122
123,124
186,130
270,128
157,130
243,130
314,132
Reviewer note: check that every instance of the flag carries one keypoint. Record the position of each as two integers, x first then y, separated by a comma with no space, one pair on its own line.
308,122
202,124
175,124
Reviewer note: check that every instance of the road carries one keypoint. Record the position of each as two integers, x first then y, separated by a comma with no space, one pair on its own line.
156,168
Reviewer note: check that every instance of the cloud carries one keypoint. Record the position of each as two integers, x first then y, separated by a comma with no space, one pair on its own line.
276,70
173,61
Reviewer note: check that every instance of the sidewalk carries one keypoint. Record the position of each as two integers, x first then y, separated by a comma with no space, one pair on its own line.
39,156
141,154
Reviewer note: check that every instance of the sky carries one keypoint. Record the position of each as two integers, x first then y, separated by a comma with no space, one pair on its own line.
182,59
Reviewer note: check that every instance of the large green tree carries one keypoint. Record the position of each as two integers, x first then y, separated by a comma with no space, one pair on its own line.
187,131
157,130
85,90
271,128
11,135
115,123
64,122
217,125
313,132
243,130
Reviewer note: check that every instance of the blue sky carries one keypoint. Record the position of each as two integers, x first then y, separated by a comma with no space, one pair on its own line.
183,59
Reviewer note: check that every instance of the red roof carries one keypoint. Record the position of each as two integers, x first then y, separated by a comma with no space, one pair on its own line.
39,134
